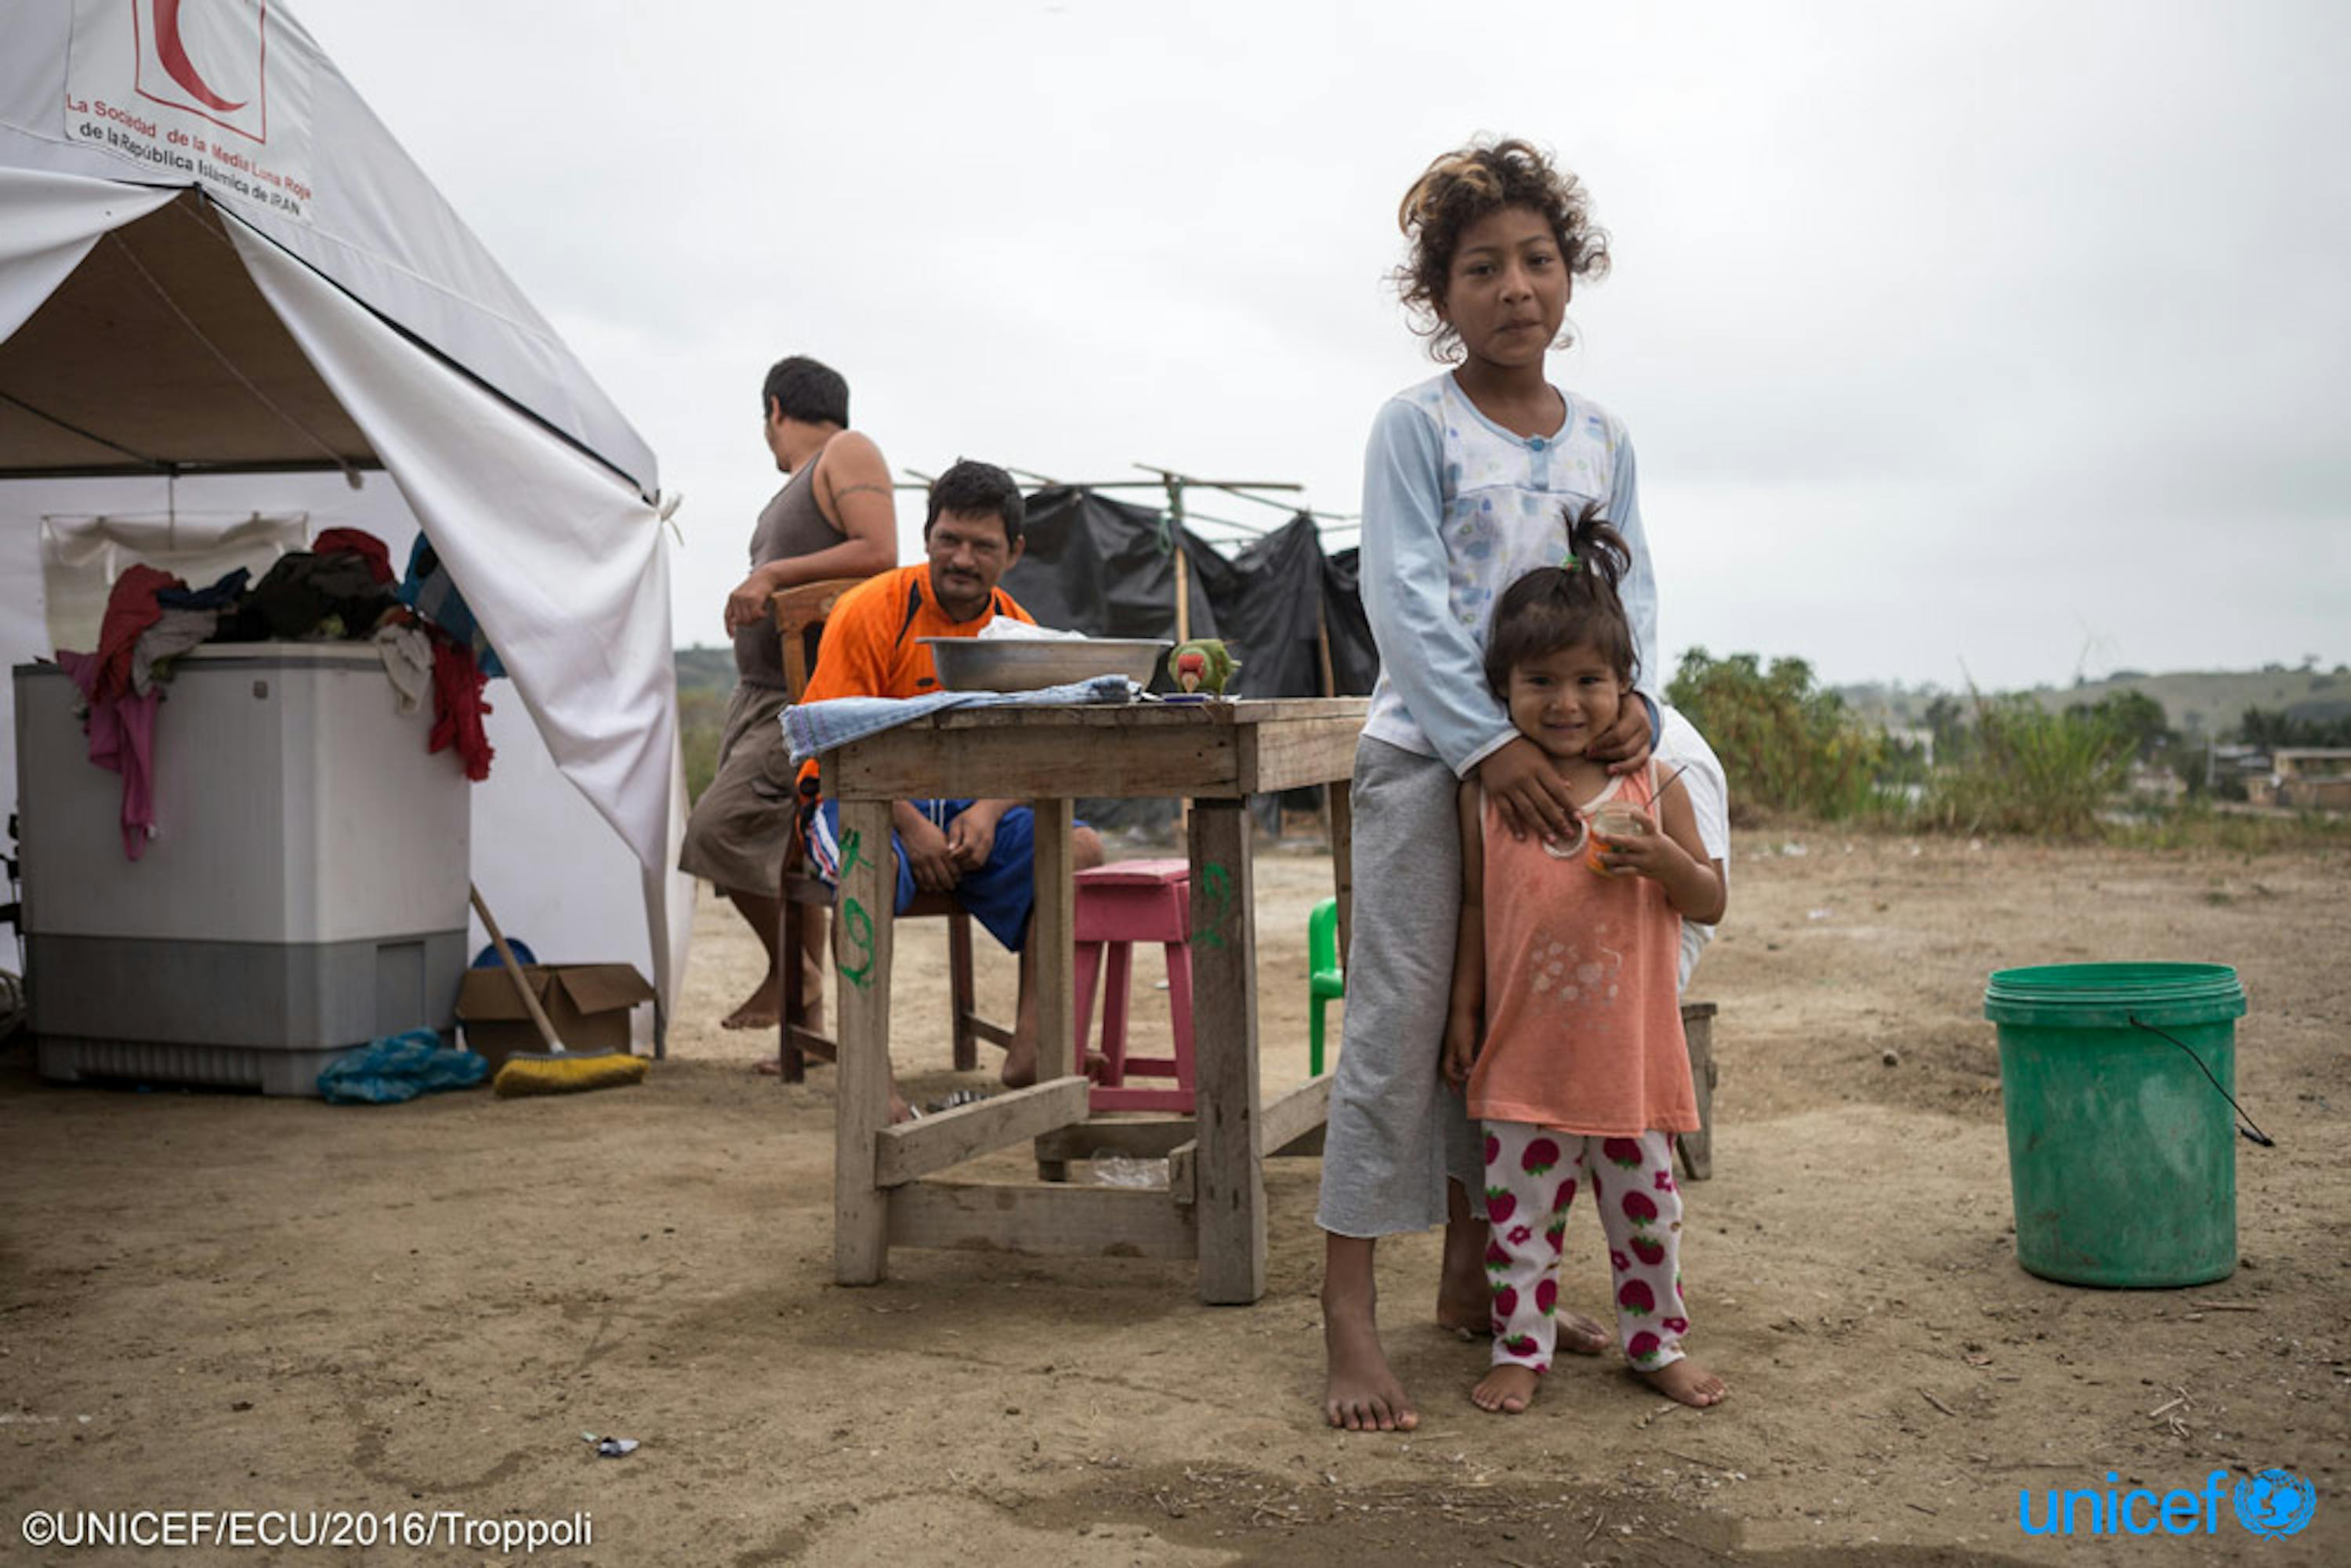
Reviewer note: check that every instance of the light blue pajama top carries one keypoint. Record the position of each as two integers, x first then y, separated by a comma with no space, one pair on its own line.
1456,508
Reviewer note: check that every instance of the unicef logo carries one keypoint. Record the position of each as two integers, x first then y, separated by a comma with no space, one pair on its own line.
2275,1504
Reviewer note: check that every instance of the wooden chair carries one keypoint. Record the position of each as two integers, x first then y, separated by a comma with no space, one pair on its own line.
800,615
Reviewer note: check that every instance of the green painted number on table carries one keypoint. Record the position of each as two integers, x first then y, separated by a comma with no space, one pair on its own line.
856,923
1216,890
857,932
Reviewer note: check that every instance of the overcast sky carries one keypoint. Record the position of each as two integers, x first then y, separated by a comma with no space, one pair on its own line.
1970,339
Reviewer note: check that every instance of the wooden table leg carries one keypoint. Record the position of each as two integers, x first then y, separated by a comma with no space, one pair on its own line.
1230,1175
869,895
1052,933
960,994
1341,796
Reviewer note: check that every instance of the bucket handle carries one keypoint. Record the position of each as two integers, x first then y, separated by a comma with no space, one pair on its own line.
2250,1132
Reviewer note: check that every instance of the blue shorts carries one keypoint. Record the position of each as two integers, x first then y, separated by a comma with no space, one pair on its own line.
999,895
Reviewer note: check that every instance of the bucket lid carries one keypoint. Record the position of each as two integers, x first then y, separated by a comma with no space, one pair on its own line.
2108,996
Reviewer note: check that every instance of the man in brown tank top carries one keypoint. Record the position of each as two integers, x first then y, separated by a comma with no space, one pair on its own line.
833,518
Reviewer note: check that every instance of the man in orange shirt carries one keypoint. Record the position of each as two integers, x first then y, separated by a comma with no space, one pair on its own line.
982,852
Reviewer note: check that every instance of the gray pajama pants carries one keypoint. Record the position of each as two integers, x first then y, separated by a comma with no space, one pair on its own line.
1398,1129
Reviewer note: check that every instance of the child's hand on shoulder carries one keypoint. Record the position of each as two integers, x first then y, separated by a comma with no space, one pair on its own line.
1649,852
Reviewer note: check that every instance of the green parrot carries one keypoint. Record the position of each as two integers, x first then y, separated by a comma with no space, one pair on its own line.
1202,666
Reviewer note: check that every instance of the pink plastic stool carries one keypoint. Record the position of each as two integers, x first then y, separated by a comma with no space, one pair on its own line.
1118,906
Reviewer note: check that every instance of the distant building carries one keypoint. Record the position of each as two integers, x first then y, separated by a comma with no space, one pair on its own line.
2310,778
2151,780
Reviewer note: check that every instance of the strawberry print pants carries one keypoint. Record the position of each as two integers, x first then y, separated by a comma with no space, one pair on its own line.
1533,1174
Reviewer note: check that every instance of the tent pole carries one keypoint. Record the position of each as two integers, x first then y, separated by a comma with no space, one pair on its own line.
1183,568
1183,614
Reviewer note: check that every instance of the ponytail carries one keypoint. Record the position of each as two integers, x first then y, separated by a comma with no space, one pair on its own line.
1556,607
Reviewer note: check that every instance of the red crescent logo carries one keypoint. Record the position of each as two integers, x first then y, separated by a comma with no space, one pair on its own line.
182,69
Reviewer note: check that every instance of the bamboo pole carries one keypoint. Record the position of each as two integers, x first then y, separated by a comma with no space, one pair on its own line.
1183,606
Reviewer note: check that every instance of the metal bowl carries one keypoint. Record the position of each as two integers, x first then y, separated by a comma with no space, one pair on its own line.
1027,664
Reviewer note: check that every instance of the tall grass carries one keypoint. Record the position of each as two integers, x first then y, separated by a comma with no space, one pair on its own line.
2003,765
2031,771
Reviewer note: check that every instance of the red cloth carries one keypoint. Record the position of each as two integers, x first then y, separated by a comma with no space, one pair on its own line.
131,609
458,707
358,542
122,740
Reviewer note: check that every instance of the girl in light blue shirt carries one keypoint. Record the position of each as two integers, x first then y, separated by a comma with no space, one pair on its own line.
1469,482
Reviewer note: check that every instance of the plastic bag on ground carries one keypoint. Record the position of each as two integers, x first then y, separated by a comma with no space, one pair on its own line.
399,1067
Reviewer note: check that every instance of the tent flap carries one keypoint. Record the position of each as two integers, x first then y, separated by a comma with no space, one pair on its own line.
562,564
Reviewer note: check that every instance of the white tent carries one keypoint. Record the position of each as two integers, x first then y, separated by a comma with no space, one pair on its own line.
224,291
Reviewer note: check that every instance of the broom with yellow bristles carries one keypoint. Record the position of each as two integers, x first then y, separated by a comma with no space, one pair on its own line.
555,1071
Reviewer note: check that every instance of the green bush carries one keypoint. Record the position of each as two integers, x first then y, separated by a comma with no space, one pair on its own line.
1787,744
2028,770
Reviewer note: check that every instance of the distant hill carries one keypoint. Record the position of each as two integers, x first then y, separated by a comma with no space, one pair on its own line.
2210,701
2202,701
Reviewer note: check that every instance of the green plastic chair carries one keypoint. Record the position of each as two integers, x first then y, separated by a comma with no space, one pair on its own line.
1325,979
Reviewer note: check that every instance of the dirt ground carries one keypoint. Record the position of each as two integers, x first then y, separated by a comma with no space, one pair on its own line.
214,1300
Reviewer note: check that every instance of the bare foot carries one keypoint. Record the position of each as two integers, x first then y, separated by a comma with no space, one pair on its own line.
1363,1395
1019,1064
759,1009
1506,1390
899,1110
1578,1334
1687,1380
1465,1305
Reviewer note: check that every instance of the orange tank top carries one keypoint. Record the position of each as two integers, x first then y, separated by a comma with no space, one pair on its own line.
1583,1025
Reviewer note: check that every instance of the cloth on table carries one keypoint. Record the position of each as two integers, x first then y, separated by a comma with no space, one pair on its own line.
221,595
121,730
303,589
432,592
815,729
358,542
131,609
458,707
173,633
407,655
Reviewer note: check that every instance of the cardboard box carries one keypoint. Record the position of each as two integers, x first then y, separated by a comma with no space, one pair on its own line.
589,1004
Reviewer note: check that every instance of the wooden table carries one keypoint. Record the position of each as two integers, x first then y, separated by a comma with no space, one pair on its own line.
885,1191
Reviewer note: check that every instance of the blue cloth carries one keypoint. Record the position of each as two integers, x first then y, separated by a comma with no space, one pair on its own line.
999,895
811,729
1456,509
399,1067
432,592
219,596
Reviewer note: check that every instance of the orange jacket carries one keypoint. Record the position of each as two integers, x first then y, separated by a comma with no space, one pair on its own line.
872,643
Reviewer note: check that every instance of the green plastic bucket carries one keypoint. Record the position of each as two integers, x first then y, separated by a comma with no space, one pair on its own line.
2122,1153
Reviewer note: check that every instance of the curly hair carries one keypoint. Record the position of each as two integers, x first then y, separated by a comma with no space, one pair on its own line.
1472,183
1555,607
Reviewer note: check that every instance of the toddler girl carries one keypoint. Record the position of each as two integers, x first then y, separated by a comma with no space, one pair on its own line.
1565,965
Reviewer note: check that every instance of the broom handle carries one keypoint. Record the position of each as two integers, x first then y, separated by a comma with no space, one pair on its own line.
514,970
